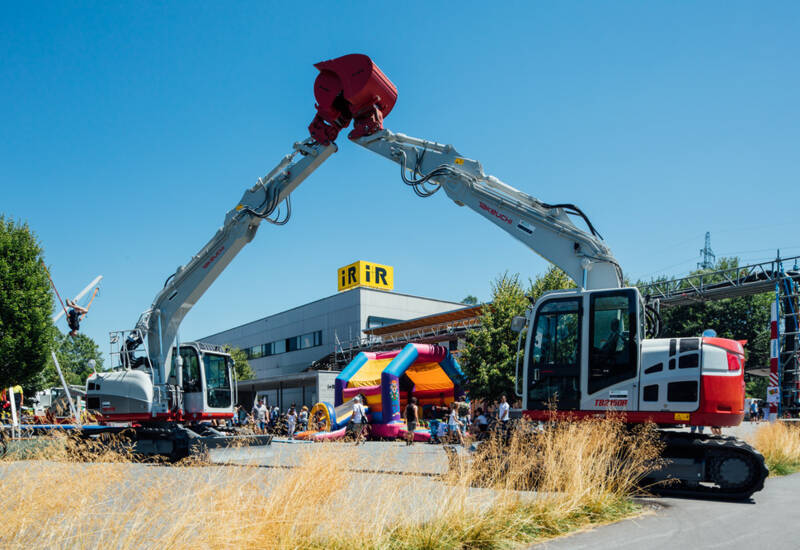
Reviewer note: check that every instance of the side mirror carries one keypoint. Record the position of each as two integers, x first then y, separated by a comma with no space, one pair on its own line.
518,323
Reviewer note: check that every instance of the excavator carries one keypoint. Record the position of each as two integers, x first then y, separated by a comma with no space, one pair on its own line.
590,350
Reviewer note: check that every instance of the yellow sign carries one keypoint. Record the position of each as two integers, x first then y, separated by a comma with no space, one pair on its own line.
682,416
367,274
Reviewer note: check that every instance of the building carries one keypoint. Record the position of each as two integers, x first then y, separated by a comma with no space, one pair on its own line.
282,348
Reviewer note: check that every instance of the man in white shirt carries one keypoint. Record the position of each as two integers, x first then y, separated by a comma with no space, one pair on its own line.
359,418
503,409
261,415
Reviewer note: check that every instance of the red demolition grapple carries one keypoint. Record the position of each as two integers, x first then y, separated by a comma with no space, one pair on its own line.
347,88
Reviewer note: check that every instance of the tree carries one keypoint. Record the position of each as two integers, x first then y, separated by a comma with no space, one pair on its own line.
74,354
243,369
470,300
489,357
756,387
26,329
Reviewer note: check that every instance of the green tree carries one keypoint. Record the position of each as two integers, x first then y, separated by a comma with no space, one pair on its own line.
74,354
470,300
242,366
26,330
489,357
756,387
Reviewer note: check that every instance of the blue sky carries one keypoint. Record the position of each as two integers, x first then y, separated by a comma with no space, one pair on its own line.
128,130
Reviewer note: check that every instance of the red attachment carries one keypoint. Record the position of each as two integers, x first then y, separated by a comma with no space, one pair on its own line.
733,361
348,88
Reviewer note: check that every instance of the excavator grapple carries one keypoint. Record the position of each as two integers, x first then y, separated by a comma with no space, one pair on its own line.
351,87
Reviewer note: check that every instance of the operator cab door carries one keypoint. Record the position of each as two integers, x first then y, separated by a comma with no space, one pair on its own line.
217,378
192,381
554,364
613,350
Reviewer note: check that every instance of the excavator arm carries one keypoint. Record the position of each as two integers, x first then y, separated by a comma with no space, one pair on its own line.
159,324
546,229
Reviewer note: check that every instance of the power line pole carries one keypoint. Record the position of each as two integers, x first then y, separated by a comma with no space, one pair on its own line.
709,259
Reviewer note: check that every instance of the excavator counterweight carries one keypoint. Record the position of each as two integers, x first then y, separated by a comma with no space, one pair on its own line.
351,87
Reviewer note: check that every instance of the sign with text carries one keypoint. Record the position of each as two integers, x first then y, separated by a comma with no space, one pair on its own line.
367,274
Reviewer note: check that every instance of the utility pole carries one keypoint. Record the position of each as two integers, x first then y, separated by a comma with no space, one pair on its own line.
709,259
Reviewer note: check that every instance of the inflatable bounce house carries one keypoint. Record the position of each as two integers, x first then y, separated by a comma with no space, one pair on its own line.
386,381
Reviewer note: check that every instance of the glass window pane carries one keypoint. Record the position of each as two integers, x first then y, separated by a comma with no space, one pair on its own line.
218,393
191,371
278,347
307,341
613,331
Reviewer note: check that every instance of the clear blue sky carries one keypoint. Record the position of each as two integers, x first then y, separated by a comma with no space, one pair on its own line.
127,132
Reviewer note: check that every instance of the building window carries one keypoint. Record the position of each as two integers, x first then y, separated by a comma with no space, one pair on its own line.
375,322
255,352
278,347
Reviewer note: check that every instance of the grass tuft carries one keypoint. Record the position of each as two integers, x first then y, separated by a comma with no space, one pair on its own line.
779,442
534,486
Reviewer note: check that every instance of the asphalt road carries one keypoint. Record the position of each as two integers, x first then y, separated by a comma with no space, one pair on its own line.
770,520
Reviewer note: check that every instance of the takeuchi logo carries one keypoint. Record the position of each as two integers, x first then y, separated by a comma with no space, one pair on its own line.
214,257
495,213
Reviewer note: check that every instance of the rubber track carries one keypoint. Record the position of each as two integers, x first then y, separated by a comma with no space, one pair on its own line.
708,447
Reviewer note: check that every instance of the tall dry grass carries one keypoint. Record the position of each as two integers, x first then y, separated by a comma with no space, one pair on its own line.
511,493
779,442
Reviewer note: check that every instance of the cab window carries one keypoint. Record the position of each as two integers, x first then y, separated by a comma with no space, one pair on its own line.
191,371
613,329
554,369
218,381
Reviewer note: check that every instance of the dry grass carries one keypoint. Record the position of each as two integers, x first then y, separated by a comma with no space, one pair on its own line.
583,473
779,442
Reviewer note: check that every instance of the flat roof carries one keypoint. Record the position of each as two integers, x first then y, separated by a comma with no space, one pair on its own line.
332,296
429,320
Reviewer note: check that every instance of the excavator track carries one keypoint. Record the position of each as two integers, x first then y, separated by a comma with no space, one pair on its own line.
707,466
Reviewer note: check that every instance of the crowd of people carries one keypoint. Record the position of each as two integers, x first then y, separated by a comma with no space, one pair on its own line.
459,422
456,424
270,420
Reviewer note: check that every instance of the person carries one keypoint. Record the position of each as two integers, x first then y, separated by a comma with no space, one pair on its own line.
481,421
74,317
463,415
260,415
503,410
754,411
697,429
359,418
291,421
412,418
273,417
319,421
454,424
242,416
302,418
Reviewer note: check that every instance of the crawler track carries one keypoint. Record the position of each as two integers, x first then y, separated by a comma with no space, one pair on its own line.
719,468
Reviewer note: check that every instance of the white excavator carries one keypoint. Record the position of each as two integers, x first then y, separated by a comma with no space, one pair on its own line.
584,349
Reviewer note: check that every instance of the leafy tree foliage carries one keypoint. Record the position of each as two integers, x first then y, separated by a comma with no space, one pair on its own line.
243,369
26,331
489,357
74,354
470,300
757,387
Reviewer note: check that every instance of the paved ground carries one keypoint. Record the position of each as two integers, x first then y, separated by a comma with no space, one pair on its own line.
770,520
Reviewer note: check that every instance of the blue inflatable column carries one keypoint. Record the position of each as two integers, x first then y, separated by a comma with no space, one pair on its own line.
390,382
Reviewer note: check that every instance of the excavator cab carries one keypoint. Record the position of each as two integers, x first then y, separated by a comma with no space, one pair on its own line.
582,350
207,381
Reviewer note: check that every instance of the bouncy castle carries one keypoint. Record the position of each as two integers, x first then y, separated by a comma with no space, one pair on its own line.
386,380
